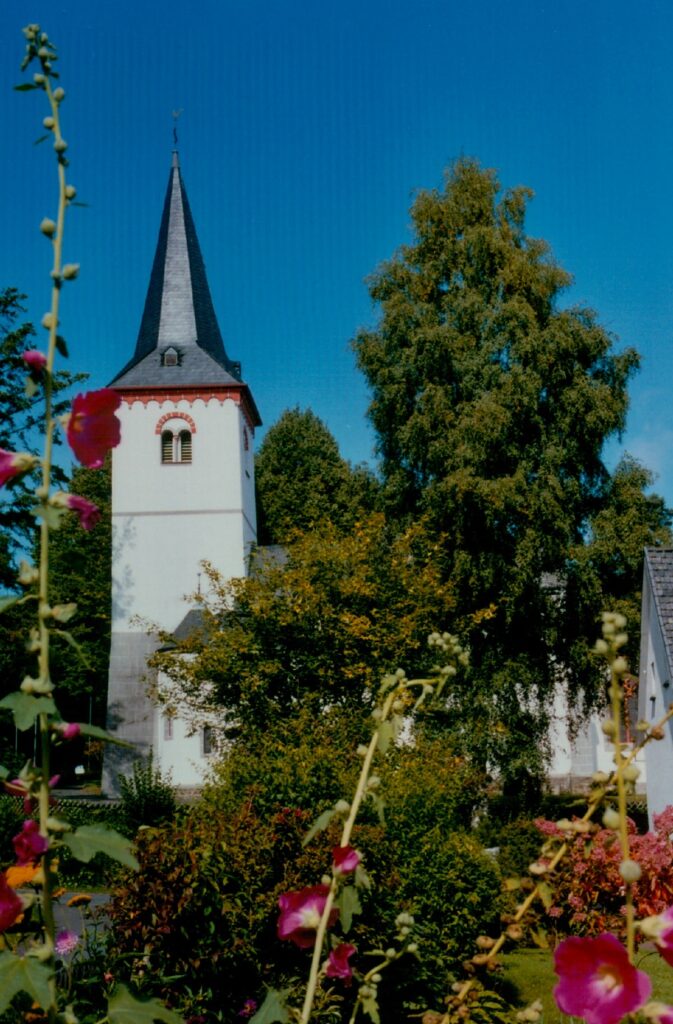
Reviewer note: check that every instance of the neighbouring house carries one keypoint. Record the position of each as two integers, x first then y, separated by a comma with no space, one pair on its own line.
182,490
656,673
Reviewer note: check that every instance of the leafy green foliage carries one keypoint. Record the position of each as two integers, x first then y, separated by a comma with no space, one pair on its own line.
11,820
319,629
491,406
23,974
147,796
125,1008
302,481
88,840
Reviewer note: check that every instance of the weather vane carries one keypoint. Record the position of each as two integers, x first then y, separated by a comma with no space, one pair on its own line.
176,115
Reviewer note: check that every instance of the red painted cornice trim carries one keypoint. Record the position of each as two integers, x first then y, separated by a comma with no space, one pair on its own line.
239,395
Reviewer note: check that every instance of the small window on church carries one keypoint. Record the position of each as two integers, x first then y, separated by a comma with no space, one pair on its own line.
167,446
207,741
168,727
184,446
169,358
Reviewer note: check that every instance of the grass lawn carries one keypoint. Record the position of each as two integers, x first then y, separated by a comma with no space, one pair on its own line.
531,972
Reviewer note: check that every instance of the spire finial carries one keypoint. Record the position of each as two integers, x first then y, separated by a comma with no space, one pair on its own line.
176,115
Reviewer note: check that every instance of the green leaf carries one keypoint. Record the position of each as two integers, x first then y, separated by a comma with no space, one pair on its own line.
546,894
61,346
85,205
101,734
348,903
511,884
42,138
87,841
273,1009
79,650
371,1008
52,516
379,806
30,387
24,87
540,939
318,825
385,735
7,602
26,708
23,974
125,1008
362,878
4,772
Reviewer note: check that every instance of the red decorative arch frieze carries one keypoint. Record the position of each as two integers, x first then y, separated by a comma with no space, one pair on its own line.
175,416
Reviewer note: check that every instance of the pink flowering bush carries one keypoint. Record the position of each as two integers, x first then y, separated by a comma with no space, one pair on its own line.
588,890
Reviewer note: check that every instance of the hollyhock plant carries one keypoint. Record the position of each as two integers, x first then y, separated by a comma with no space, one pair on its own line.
660,929
300,914
87,513
597,981
13,464
92,427
35,359
345,859
11,906
337,962
29,845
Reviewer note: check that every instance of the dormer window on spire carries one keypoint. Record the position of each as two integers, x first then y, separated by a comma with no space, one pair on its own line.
170,357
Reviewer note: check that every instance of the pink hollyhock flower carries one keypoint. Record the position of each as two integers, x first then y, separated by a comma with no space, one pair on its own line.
13,464
660,929
17,787
337,962
35,359
11,906
659,1012
87,513
345,859
597,981
300,914
66,942
92,426
29,845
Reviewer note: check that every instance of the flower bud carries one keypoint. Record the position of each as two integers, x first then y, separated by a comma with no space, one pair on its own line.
48,321
601,647
599,778
656,732
609,727
620,665
611,818
39,79
631,772
28,574
376,979
70,271
342,807
48,227
70,191
43,53
630,870
59,94
60,145
362,750
48,122
412,947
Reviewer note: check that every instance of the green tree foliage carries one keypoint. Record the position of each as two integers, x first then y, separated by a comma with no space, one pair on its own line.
302,480
491,406
21,411
319,629
80,572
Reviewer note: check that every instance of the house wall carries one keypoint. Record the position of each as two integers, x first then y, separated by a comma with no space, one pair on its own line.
656,688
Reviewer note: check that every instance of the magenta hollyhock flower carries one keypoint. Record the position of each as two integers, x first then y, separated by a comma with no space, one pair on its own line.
660,1012
92,426
664,938
345,859
87,513
35,359
69,730
13,464
300,914
11,906
337,962
29,845
597,981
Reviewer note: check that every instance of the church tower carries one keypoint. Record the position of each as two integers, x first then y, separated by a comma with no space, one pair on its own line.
182,485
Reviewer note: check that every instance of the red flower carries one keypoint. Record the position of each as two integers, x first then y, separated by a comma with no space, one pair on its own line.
345,859
35,359
29,845
69,730
11,906
337,962
13,464
597,981
87,513
92,426
300,914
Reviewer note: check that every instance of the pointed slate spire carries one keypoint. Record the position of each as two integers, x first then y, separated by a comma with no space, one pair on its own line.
178,318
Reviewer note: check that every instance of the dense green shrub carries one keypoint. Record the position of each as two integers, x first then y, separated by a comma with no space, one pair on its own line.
11,819
147,797
519,845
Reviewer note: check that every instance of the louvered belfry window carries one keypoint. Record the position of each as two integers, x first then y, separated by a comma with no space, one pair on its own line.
185,446
167,446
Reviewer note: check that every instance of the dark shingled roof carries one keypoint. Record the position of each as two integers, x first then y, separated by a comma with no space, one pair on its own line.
179,289
659,566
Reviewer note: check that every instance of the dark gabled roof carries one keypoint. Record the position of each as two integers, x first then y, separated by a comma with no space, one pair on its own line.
659,566
179,313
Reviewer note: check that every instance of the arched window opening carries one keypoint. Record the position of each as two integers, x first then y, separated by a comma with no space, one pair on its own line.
184,446
167,446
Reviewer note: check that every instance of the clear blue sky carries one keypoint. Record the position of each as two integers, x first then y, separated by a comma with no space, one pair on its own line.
307,127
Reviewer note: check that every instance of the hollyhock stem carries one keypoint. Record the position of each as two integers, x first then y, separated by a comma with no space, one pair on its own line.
360,792
620,761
